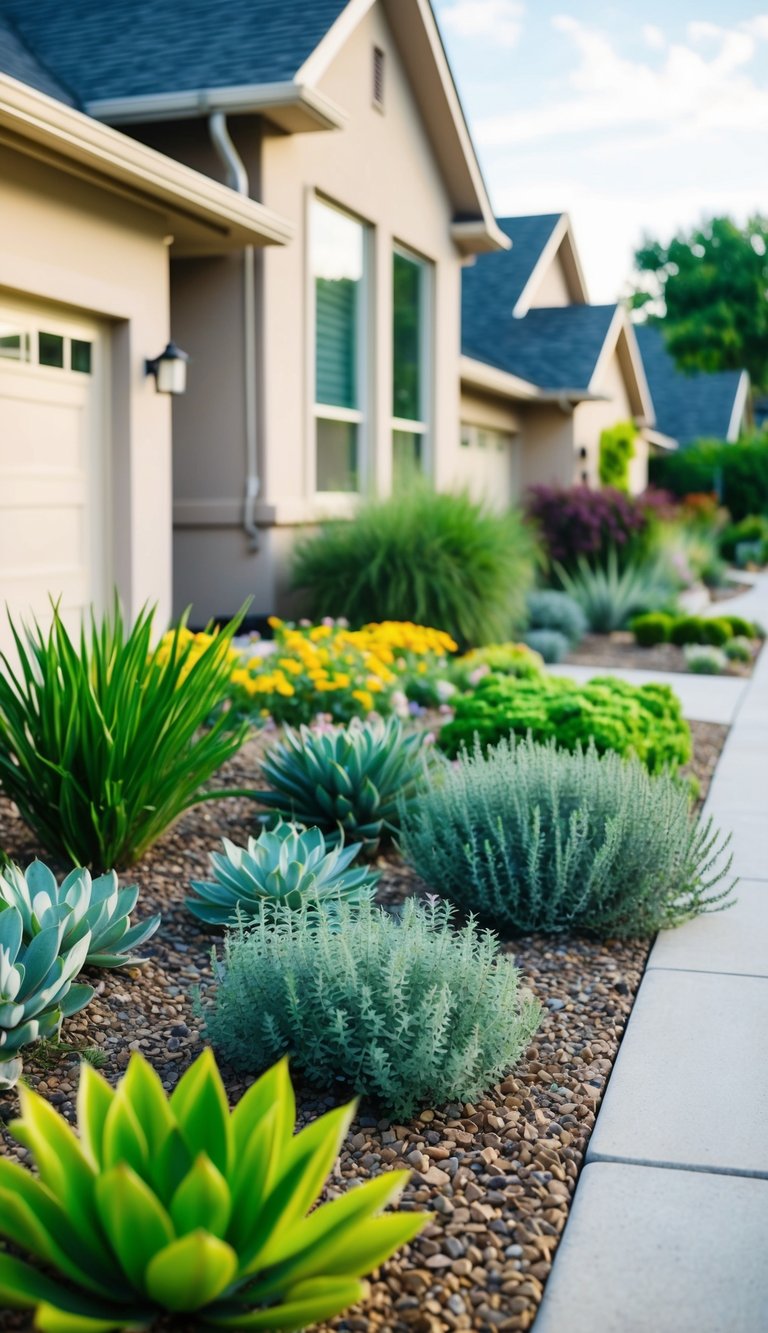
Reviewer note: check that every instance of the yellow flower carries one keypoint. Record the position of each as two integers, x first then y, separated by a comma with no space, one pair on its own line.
274,622
365,698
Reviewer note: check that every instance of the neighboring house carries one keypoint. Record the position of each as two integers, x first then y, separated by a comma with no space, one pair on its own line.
330,368
543,373
88,220
690,407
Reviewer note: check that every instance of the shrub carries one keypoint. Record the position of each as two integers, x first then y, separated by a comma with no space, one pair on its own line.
345,781
550,609
750,553
652,628
36,990
103,748
704,659
287,866
687,629
617,449
433,559
504,659
738,650
405,1010
738,472
549,643
531,838
575,521
716,630
741,628
644,720
608,595
177,1206
82,906
753,528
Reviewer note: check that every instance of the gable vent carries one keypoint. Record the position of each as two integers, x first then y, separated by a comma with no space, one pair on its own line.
378,77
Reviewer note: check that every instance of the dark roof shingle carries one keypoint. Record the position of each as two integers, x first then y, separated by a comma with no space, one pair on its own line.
498,279
688,407
18,61
131,48
555,347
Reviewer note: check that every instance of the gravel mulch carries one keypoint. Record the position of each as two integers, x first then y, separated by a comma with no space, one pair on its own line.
498,1174
605,651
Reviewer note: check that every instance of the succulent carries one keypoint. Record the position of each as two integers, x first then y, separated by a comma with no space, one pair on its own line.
347,780
738,650
81,905
285,865
177,1205
36,990
704,659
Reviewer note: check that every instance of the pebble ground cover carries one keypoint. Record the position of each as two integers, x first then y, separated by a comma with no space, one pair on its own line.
498,1173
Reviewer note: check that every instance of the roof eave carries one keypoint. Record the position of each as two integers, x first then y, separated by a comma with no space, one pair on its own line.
292,106
659,440
477,237
478,374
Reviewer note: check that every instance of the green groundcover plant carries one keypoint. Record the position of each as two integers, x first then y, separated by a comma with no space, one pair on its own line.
644,720
434,559
286,866
703,659
532,838
102,745
175,1205
82,905
407,1010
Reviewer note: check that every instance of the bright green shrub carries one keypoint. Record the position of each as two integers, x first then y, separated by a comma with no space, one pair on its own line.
288,866
704,659
616,451
406,1010
738,472
174,1205
741,628
738,650
687,629
505,659
651,629
345,781
434,559
610,595
97,907
752,528
716,630
549,643
103,746
549,608
531,838
644,720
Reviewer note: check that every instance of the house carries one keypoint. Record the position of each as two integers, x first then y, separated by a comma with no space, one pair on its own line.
543,372
690,407
330,366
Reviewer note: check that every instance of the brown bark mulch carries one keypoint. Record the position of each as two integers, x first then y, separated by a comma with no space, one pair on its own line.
499,1174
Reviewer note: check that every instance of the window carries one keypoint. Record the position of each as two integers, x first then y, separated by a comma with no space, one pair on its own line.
55,351
338,256
378,78
410,365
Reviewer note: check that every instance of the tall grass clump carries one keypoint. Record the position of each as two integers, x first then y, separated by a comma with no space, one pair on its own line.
610,595
406,1010
434,559
532,838
102,742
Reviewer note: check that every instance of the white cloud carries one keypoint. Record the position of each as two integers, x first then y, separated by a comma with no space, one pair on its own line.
500,20
653,36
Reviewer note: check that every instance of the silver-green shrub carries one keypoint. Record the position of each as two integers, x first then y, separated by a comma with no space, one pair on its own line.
533,838
548,608
550,643
404,1009
704,659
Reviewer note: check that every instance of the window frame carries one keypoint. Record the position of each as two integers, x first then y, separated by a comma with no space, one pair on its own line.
423,426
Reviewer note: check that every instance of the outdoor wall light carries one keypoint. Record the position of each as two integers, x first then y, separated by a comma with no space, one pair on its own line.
169,370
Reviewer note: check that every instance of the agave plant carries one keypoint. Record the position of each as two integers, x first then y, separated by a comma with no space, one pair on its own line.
346,781
175,1205
610,595
81,905
36,990
285,866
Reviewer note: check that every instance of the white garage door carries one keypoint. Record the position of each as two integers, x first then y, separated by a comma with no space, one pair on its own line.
53,482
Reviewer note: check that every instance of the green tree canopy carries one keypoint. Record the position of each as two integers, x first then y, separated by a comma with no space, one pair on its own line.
713,286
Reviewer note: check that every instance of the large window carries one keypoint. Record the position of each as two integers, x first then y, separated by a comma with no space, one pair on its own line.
338,252
410,365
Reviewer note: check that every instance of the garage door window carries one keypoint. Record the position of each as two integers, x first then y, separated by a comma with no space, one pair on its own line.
42,347
14,343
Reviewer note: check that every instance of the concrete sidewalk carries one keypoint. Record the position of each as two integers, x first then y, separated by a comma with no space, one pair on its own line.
667,1231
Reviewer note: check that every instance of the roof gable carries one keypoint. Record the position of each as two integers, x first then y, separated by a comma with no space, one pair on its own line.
557,348
690,406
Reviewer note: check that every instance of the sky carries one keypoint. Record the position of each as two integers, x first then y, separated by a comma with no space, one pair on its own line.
635,119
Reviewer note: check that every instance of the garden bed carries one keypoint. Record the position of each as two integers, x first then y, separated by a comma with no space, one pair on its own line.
498,1174
606,651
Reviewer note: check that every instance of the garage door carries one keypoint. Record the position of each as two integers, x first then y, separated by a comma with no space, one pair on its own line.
53,481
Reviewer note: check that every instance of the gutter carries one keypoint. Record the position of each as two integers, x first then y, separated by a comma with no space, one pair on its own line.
237,180
292,106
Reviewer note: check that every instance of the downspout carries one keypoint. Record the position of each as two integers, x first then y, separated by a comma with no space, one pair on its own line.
237,179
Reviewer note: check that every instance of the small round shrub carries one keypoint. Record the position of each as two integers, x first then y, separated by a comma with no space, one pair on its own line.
738,650
503,659
751,530
406,1010
532,838
550,609
704,659
651,629
741,628
549,643
687,629
717,630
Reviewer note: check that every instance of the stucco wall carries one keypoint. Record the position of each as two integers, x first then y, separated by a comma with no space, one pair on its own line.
65,241
552,287
547,446
593,418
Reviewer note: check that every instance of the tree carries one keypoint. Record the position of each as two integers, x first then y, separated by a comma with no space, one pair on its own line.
713,286
617,449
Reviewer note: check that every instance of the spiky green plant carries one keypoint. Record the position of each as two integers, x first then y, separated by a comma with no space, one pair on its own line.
81,905
103,746
347,780
177,1205
287,866
609,594
36,991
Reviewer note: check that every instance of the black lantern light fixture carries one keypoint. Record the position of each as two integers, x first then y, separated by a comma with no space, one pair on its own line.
169,370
